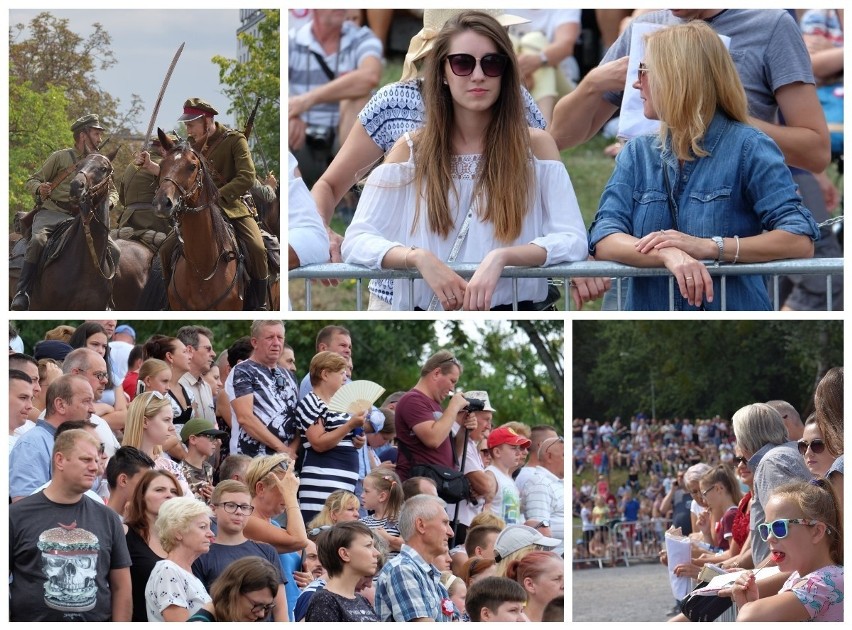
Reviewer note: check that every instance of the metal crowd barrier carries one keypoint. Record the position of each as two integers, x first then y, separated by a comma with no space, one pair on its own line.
563,273
636,541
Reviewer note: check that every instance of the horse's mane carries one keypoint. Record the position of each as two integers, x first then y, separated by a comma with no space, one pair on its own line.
211,192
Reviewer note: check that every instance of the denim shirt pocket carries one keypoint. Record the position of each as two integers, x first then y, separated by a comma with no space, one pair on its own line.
708,213
650,212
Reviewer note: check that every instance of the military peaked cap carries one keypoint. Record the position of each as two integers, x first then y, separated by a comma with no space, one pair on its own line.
194,108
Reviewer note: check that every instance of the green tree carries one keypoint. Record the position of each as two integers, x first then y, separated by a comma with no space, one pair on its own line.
258,77
48,59
37,126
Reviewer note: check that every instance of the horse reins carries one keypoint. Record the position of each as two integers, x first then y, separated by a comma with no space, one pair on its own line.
90,194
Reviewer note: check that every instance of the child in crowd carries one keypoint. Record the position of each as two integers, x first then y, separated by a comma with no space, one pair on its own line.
382,495
201,438
496,599
721,492
340,506
457,590
803,527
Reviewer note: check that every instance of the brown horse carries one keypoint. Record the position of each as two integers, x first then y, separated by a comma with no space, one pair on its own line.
207,265
132,274
80,276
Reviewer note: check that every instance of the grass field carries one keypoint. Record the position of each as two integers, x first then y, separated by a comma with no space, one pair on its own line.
587,166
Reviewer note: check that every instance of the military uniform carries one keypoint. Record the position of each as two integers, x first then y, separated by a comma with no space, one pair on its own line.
136,194
53,210
227,153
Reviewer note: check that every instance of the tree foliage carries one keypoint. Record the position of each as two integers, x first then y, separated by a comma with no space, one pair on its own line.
49,61
258,77
698,369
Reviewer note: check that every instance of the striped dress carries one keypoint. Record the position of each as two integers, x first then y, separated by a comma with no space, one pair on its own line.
391,527
323,473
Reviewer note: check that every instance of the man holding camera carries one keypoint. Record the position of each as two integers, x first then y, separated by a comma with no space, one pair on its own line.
423,427
333,67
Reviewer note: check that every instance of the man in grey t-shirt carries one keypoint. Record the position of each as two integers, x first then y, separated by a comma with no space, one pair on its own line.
68,555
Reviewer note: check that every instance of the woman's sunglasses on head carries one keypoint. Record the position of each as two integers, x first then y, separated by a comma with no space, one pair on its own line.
463,64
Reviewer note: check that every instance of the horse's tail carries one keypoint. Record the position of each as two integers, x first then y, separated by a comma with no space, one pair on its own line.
153,296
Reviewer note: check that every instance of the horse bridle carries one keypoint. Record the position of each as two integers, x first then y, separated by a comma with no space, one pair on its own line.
182,208
186,194
86,201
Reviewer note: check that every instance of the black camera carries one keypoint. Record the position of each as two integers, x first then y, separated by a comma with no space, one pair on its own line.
319,137
474,404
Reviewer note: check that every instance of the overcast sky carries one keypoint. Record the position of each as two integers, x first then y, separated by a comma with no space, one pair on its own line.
144,42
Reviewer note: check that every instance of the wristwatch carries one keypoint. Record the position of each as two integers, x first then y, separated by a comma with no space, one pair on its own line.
543,58
721,245
542,524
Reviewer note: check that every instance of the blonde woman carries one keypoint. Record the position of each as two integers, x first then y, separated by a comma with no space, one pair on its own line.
452,192
149,428
710,187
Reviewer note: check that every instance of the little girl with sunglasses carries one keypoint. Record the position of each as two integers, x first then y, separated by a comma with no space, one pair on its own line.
803,527
474,185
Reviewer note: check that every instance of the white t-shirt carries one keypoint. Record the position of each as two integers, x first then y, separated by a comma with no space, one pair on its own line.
526,473
507,500
472,463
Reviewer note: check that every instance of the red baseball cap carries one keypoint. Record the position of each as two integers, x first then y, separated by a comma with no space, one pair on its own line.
506,435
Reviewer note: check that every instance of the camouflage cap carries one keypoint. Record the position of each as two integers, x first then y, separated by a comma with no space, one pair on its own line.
89,121
194,108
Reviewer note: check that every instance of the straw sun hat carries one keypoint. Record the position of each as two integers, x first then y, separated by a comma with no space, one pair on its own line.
433,22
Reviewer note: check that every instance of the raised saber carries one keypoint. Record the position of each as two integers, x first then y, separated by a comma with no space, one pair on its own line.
163,87
251,128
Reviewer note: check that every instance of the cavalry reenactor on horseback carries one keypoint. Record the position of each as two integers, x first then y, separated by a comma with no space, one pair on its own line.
227,153
136,194
51,186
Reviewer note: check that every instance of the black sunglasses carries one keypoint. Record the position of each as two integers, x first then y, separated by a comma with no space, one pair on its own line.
817,446
463,64
739,460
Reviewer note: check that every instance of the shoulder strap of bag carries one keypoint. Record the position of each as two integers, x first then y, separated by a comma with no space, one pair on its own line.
326,70
454,252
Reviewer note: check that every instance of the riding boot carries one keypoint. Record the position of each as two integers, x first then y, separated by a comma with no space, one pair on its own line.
21,301
257,289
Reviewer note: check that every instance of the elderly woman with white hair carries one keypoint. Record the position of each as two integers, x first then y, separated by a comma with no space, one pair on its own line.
774,460
173,593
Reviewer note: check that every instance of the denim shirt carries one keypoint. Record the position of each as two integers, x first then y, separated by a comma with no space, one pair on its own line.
740,189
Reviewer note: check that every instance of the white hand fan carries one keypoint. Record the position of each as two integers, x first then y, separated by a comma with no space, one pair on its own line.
356,397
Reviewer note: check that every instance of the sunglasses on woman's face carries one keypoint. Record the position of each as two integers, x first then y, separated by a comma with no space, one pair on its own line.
463,64
817,446
781,527
739,460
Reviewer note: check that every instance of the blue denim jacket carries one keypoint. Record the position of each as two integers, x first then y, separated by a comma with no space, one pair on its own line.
741,188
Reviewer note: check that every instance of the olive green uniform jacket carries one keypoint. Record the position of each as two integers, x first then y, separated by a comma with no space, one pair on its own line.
55,164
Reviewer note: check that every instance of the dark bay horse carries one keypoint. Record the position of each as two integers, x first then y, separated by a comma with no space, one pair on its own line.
80,275
207,269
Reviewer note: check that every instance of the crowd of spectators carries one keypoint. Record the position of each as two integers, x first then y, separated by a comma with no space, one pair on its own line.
210,489
729,486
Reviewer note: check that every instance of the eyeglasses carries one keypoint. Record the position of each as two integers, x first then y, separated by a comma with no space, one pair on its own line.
781,527
542,450
101,376
463,64
280,464
643,69
155,394
101,449
817,446
452,360
260,608
704,493
739,460
231,508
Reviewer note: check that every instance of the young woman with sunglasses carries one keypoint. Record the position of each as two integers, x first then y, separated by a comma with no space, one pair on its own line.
812,446
803,527
173,351
828,404
709,187
474,185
